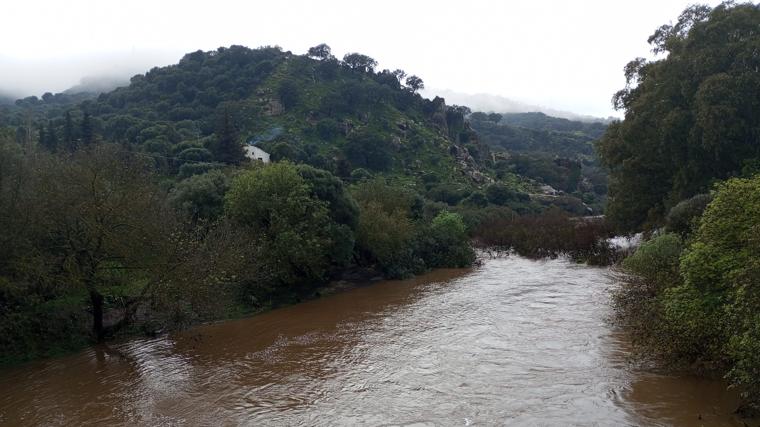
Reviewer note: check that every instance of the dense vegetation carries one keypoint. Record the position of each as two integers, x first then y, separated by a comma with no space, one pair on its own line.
92,242
690,293
551,151
138,209
691,118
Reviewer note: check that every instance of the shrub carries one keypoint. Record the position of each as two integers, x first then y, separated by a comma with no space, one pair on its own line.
299,240
445,244
189,169
683,217
201,196
500,194
448,193
657,261
386,238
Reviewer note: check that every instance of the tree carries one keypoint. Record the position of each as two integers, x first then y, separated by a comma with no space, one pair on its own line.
414,83
330,189
228,149
201,197
69,140
101,217
368,150
690,117
41,138
86,130
399,74
292,226
447,243
50,138
359,62
289,94
320,51
500,194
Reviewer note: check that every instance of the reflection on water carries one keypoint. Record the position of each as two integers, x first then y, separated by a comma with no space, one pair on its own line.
513,342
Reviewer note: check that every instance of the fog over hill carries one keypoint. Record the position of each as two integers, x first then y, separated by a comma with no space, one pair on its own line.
499,104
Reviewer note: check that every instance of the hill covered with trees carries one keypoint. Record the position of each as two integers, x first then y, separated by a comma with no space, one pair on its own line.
125,211
553,151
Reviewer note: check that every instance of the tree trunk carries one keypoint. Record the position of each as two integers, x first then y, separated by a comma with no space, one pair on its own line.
97,315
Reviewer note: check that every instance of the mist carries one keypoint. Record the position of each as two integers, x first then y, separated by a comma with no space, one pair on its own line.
83,73
566,56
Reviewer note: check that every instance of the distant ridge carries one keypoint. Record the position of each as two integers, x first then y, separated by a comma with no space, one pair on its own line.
498,104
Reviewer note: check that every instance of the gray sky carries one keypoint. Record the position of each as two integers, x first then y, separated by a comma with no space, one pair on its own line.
565,55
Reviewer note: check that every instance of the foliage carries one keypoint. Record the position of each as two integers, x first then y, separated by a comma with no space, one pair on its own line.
683,217
298,238
387,238
690,117
368,150
700,305
201,196
330,189
501,194
657,261
446,243
87,232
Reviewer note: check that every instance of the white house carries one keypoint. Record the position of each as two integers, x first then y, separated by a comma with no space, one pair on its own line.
256,154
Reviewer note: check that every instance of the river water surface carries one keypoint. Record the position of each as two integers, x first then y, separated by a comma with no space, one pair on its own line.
513,342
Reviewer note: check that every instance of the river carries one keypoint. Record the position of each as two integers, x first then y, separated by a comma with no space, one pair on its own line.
513,342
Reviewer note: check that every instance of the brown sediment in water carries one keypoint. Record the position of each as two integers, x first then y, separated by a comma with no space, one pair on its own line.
512,342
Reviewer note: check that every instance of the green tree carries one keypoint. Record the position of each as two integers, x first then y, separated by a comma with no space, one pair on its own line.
330,189
359,62
201,196
368,150
86,130
289,94
447,243
50,137
292,226
689,117
69,139
414,83
320,51
228,149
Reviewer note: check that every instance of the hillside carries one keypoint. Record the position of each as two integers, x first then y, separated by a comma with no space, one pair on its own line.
342,116
554,151
331,114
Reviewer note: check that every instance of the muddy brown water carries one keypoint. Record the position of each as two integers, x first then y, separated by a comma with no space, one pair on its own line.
513,342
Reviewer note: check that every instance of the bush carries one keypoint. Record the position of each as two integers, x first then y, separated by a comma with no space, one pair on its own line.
476,200
201,196
500,194
657,261
189,169
551,234
445,244
708,312
299,240
195,154
684,216
360,174
386,238
448,193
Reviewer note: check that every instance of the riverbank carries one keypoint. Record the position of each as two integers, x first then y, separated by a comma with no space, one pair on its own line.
515,341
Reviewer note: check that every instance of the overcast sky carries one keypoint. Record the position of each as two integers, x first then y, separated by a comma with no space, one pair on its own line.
565,55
